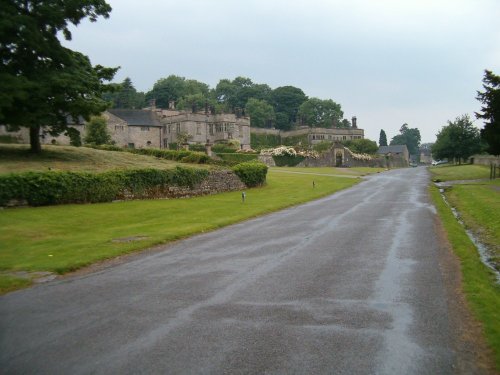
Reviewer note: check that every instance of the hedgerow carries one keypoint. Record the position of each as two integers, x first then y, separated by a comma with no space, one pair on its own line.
49,188
251,173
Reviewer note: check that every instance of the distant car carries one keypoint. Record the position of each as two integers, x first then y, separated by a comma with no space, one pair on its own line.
413,165
439,162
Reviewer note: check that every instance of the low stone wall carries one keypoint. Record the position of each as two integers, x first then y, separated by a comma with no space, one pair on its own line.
216,182
485,160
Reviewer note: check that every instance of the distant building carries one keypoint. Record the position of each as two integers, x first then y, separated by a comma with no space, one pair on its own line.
395,151
316,135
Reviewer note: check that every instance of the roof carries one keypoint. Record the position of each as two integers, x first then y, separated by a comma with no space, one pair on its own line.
393,149
136,117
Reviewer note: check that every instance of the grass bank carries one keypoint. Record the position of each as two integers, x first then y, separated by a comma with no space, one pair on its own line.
478,204
460,172
17,158
64,238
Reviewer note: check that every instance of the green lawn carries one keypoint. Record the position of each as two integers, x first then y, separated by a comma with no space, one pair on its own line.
64,238
460,172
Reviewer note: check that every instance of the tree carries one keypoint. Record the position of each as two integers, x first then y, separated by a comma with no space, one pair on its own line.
490,99
286,101
97,131
321,113
236,93
261,113
362,146
382,140
44,84
174,88
458,140
126,96
409,137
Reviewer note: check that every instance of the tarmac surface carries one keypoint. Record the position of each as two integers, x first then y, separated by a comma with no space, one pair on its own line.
348,284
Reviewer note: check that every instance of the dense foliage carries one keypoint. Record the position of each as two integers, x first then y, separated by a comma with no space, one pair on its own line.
362,146
382,140
125,96
50,83
458,140
490,99
320,113
251,173
49,188
97,131
409,137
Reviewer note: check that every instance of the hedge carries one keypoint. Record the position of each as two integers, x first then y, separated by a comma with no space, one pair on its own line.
251,173
48,188
287,161
236,158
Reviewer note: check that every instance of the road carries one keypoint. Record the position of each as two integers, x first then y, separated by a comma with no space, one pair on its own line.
349,284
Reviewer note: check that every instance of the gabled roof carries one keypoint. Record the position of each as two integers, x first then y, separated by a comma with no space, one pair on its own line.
136,117
394,149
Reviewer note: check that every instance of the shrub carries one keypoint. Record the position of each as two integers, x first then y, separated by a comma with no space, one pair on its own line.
224,148
7,138
251,173
287,160
196,158
237,158
47,188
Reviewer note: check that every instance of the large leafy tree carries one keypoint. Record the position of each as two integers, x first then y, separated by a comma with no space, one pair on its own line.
458,140
43,83
362,146
409,137
322,113
382,140
174,88
490,99
286,101
126,96
236,93
261,113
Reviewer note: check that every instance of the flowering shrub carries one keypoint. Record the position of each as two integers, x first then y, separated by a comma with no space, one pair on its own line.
279,151
359,156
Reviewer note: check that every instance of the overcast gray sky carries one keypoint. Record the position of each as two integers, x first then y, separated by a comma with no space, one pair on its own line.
388,62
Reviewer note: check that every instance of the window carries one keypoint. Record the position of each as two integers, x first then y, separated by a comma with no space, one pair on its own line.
145,128
198,129
211,129
119,128
178,127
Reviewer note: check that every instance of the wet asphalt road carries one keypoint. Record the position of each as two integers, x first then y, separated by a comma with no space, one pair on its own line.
349,284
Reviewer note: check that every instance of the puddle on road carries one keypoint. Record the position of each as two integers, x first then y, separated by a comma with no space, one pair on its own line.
484,254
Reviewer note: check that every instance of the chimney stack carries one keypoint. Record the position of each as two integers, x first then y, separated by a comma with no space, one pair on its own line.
354,122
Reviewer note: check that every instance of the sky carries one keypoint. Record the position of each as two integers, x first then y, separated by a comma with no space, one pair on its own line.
387,62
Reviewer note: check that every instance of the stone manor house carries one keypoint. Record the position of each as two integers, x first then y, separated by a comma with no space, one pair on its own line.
159,128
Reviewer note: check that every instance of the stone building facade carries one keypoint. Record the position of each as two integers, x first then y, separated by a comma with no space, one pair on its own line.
141,128
203,128
316,135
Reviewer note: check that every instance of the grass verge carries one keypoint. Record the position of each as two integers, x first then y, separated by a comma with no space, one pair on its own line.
460,172
480,287
64,238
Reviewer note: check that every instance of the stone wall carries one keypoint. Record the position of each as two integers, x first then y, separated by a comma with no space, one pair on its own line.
216,182
485,160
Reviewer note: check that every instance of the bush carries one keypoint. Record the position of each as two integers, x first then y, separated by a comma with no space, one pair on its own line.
48,188
287,160
237,158
251,173
7,138
224,148
196,158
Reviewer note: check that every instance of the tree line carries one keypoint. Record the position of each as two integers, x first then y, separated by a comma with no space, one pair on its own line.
280,108
460,139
